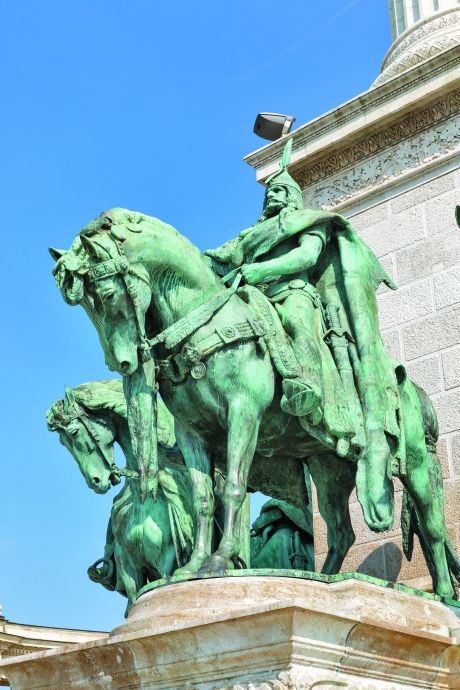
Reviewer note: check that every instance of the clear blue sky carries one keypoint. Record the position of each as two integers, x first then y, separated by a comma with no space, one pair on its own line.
147,105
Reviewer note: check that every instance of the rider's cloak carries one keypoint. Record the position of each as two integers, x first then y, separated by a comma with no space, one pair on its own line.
346,274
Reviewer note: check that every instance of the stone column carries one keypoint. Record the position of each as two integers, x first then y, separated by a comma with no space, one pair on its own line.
405,13
420,29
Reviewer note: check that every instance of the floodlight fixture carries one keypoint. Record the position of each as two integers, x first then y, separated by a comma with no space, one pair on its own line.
272,126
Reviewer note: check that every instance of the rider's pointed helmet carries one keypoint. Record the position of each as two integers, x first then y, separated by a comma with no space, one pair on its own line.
282,178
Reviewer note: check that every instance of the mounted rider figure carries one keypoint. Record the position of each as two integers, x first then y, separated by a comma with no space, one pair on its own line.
311,264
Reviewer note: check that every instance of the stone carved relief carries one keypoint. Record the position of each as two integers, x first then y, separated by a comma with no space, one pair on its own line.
285,681
400,159
438,24
412,141
7,650
303,139
401,130
423,43
420,52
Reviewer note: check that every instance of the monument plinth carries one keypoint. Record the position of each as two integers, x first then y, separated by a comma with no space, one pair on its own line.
253,632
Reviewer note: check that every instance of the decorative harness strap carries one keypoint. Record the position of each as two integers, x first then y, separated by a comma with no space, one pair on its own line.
187,325
63,420
178,365
121,266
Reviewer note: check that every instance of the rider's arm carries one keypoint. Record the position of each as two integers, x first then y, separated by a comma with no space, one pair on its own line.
299,259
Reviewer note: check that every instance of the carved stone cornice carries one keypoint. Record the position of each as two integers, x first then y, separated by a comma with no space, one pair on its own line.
392,150
427,39
368,105
10,650
284,681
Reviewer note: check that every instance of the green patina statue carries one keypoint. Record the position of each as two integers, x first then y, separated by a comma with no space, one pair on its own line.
150,540
145,540
284,368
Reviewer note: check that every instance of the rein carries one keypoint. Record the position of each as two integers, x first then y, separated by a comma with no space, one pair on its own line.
120,266
83,417
177,332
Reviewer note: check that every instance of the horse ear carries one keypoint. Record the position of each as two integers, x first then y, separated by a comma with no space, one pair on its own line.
90,247
457,215
69,396
56,253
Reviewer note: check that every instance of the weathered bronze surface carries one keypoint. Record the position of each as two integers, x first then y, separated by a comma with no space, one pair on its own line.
267,352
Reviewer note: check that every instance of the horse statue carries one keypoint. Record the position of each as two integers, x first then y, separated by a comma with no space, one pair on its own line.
90,419
160,310
145,540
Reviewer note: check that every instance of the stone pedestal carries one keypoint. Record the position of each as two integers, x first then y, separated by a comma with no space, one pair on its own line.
262,633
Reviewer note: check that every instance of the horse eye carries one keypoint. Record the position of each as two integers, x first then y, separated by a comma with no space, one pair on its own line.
73,432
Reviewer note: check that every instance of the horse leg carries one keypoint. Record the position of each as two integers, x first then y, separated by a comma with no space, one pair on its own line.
197,460
334,479
128,576
243,430
423,482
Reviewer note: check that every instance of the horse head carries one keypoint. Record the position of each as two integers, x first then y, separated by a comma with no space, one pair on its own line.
100,273
121,294
88,437
113,267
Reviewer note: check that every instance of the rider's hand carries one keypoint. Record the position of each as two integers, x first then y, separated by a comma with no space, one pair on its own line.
252,274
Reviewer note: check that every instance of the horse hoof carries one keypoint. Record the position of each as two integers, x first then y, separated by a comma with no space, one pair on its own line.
184,572
191,568
216,565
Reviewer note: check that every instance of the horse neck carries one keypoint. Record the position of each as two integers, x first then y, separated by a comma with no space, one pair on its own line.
180,278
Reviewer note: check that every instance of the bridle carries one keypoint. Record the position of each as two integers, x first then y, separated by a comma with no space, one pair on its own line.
120,266
179,331
61,420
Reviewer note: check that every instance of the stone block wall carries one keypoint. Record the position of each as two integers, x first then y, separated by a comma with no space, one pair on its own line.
415,236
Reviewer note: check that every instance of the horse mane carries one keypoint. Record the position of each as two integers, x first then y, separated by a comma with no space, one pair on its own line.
97,396
94,396
102,395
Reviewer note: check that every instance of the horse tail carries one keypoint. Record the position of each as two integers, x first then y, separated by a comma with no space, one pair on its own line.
409,520
407,525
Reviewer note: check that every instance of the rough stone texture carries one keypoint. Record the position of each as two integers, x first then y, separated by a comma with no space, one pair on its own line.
392,342
439,216
421,193
437,332
452,500
427,373
395,232
448,409
447,287
266,633
455,450
424,34
451,367
372,216
406,304
18,639
427,257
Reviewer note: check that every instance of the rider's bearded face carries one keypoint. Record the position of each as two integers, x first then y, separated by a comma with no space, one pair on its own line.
276,199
